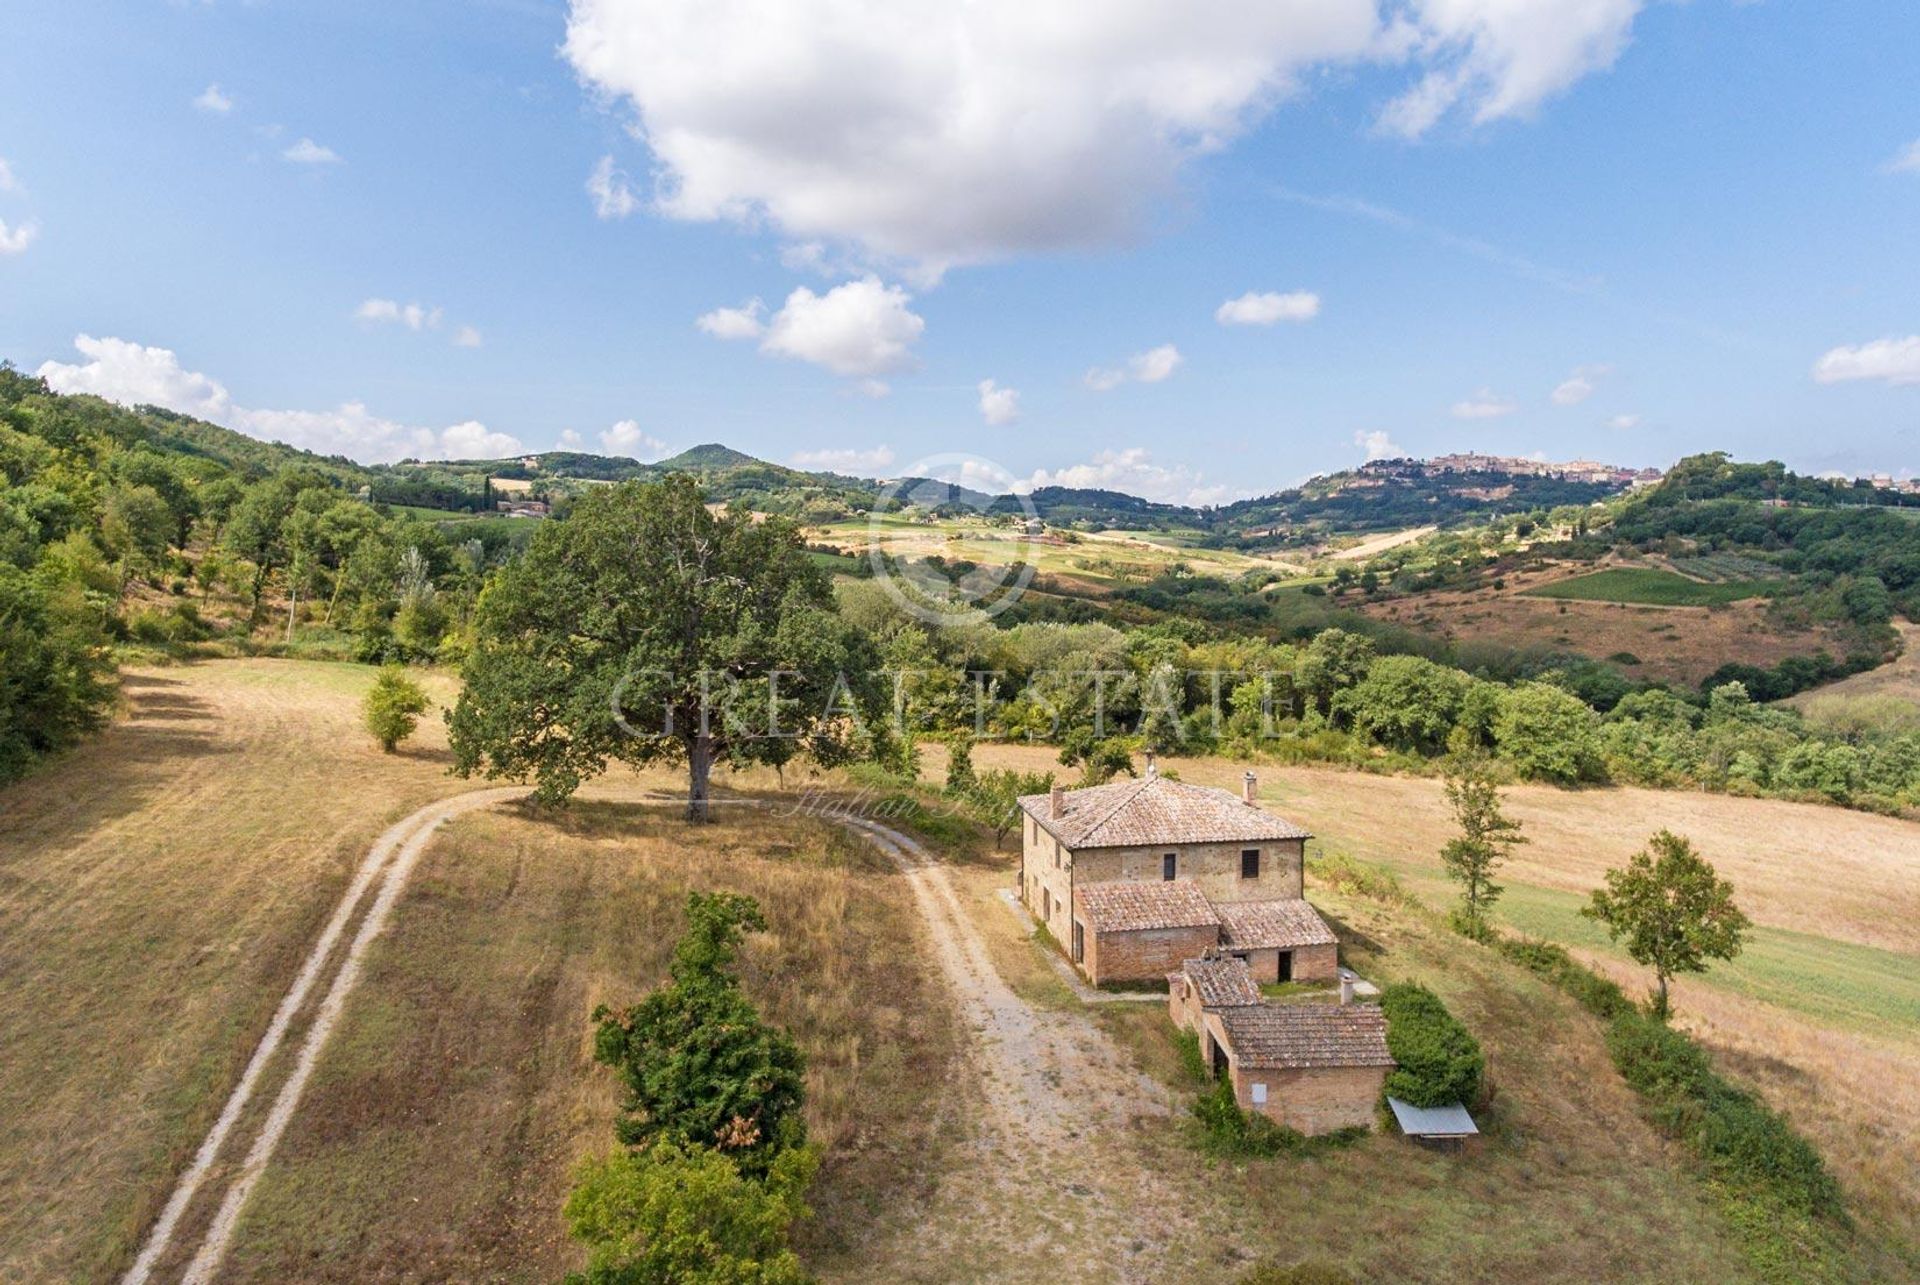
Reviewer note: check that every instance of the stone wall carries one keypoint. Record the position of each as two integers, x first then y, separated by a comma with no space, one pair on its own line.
1215,867
1314,1100
1310,964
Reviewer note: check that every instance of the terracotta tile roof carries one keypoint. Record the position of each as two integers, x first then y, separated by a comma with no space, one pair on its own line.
1286,1036
1260,925
1220,983
1153,811
1133,906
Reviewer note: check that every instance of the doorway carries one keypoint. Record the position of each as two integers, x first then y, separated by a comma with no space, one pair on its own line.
1286,966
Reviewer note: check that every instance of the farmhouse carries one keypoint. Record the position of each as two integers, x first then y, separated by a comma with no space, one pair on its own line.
1312,1067
1135,877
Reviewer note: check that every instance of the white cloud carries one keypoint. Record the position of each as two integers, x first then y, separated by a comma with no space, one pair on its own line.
1132,470
413,316
1624,422
1149,367
571,439
308,152
861,328
734,323
1485,404
1264,308
1906,160
8,183
998,405
134,374
1377,445
849,461
467,337
14,239
212,100
1894,360
931,134
613,196
1501,58
628,438
1578,386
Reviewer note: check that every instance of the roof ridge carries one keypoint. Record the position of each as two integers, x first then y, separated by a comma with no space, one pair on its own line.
1114,811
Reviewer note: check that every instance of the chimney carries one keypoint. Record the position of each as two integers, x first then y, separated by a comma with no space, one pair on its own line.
1152,769
1249,787
1058,802
1346,989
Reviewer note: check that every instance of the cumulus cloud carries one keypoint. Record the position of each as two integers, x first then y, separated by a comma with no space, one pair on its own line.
1499,58
861,328
413,316
1149,367
1578,386
571,439
467,337
850,460
1906,160
1133,470
932,134
627,438
8,183
1485,404
1624,422
613,196
1892,360
734,323
1255,308
1377,445
214,101
308,152
135,374
15,238
998,405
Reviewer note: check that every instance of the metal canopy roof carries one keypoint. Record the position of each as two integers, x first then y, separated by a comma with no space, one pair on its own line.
1450,1121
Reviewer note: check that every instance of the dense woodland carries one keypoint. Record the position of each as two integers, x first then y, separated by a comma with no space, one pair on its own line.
123,530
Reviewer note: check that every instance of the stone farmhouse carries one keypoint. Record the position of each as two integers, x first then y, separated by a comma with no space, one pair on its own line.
1312,1067
1134,878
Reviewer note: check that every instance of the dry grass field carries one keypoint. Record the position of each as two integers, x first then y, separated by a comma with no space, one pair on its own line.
1672,644
1823,1010
158,887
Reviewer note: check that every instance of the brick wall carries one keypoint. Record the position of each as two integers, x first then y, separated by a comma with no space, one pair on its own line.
1215,867
1316,1100
1147,955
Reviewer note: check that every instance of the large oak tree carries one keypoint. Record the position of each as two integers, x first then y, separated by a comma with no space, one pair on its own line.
646,628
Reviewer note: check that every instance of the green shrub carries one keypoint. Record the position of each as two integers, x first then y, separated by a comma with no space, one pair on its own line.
393,707
1598,995
1227,1132
1440,1061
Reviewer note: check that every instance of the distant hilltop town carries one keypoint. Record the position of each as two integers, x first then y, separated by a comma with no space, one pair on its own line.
1516,466
1887,482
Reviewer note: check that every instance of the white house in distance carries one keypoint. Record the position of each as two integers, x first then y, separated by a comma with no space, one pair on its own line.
1134,878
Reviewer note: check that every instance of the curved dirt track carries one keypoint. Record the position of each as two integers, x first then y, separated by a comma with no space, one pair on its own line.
1049,1158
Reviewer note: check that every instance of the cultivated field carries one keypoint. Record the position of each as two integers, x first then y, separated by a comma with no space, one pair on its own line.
1823,1010
1650,586
1669,643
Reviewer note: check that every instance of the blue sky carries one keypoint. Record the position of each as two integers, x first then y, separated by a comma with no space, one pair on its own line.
1699,222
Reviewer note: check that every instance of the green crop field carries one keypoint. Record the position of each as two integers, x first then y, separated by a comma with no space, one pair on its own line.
1650,587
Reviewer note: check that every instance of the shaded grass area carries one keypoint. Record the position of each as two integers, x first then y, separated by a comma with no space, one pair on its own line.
1650,586
439,1135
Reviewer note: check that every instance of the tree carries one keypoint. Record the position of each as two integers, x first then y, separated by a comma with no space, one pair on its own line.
393,707
701,1067
1099,761
998,793
1439,1060
1407,702
646,628
685,1214
1486,836
1548,734
1673,910
961,779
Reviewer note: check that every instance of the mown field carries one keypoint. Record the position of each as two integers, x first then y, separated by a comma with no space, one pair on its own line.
1650,586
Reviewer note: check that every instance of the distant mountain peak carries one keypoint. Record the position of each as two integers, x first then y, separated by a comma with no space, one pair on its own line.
709,455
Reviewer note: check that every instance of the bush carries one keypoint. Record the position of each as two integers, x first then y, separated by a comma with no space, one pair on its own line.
393,707
1599,995
1440,1061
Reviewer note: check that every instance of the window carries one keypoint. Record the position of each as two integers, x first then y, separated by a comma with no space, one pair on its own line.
1046,904
1250,863
1169,864
1079,941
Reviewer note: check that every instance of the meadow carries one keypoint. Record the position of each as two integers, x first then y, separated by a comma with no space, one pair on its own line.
1652,587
